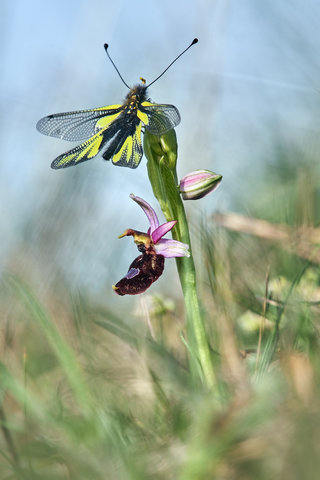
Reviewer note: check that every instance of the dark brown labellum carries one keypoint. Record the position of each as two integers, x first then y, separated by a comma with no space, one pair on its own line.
143,271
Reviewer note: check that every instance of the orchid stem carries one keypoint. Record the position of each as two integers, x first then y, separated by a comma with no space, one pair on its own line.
161,153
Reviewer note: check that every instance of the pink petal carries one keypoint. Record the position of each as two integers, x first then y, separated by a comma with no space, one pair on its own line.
198,184
162,230
148,210
171,248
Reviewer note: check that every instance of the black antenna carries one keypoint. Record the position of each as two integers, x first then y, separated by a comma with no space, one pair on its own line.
194,41
106,49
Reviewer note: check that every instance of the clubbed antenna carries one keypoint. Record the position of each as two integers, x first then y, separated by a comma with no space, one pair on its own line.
194,41
106,49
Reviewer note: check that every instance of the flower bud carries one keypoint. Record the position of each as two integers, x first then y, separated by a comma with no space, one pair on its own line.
198,184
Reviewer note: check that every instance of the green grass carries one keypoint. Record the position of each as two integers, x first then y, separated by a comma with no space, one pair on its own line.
86,395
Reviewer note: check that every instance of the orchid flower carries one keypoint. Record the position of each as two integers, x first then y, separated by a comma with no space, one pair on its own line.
198,184
148,267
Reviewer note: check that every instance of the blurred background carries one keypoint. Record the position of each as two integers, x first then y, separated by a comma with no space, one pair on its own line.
93,383
247,90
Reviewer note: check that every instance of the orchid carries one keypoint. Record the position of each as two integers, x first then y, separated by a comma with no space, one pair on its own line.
198,184
148,267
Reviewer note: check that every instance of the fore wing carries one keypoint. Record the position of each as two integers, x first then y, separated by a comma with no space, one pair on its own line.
159,118
78,125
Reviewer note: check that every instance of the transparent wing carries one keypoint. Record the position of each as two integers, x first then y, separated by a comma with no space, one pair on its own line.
90,148
120,141
161,118
78,125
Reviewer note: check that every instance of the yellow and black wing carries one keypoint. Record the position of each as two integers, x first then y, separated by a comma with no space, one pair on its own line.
159,118
105,128
123,145
109,129
79,125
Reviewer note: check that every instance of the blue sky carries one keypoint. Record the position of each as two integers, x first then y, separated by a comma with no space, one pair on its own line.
254,70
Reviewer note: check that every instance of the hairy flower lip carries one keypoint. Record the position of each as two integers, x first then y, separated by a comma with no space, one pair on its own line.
198,184
143,271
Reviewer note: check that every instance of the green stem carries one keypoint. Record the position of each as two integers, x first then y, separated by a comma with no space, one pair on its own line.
161,153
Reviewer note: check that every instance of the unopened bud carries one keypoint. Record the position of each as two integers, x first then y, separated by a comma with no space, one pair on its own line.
198,184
